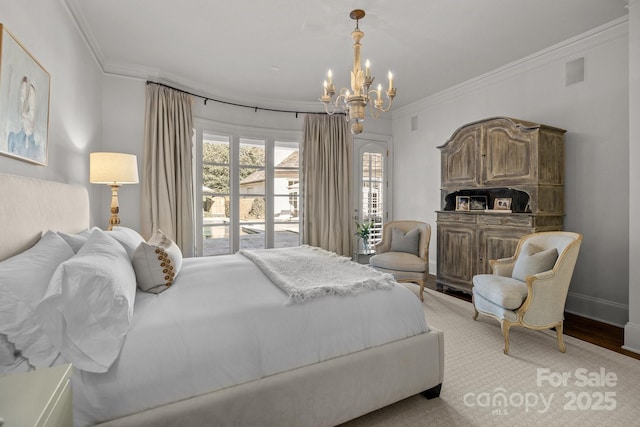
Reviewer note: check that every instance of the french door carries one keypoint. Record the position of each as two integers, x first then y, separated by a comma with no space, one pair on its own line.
372,186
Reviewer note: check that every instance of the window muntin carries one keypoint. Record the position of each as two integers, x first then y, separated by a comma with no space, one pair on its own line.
251,194
372,201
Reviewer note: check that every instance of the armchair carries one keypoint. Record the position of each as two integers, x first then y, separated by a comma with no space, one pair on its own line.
404,252
530,288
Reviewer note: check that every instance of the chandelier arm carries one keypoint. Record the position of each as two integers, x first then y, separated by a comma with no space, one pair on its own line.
326,108
384,110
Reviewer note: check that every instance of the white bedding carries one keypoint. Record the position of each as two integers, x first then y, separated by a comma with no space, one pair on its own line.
224,323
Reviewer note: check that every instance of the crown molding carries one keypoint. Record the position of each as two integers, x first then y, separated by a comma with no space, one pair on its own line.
80,22
576,45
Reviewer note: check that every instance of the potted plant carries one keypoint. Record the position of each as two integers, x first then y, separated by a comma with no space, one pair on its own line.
363,231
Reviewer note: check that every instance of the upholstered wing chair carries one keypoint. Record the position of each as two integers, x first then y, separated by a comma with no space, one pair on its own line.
530,288
404,252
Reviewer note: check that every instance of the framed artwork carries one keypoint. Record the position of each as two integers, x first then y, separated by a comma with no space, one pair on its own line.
477,203
24,102
502,204
462,203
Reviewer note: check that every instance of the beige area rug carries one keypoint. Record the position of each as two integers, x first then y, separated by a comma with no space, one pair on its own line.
534,385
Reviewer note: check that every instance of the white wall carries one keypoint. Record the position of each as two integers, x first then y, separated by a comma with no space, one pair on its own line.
123,132
595,115
48,32
632,328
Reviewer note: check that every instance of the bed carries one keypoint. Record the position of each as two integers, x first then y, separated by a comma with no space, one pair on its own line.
360,366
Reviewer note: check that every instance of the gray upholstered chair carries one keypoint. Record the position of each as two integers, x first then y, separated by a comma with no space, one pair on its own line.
530,288
404,252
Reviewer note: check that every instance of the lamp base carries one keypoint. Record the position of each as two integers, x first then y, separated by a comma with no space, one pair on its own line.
114,220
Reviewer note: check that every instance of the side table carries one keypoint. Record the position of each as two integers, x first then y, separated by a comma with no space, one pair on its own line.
37,398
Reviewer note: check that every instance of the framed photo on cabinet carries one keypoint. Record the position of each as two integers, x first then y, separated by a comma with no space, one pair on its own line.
24,102
502,204
462,203
477,203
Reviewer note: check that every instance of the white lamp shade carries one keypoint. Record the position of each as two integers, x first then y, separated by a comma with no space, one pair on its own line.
113,168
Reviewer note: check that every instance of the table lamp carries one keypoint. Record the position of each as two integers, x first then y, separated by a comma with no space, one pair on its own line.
113,169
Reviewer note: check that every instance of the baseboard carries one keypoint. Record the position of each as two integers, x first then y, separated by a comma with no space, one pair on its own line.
604,311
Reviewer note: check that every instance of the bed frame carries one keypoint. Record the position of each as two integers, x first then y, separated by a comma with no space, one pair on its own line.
323,394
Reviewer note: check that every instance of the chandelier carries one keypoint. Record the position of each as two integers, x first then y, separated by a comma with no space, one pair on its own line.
353,102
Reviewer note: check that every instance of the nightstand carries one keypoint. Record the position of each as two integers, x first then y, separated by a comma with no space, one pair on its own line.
37,398
363,258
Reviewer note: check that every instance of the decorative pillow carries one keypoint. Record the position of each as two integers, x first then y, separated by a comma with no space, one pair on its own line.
157,263
88,307
128,238
405,242
532,260
24,279
76,240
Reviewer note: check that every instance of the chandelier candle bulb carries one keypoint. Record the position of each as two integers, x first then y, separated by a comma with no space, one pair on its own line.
330,75
390,81
367,67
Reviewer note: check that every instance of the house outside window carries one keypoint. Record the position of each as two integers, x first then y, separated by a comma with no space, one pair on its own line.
250,192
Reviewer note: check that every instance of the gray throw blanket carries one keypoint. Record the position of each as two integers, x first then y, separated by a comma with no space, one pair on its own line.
305,272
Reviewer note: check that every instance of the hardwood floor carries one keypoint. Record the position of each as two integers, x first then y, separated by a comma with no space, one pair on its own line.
598,333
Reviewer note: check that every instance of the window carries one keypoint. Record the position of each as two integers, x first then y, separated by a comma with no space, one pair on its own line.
372,186
372,194
250,193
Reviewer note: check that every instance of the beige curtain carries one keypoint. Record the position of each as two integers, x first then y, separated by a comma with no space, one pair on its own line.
326,176
167,184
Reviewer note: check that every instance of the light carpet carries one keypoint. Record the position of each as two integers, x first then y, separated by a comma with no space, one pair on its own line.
535,384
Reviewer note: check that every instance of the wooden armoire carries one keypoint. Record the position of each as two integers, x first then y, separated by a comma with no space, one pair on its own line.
497,158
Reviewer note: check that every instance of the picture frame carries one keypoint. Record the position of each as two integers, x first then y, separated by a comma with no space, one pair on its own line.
462,203
477,203
24,102
502,204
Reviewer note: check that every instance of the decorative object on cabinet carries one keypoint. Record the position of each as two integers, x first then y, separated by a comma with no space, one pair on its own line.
502,204
462,203
24,102
535,298
478,203
498,158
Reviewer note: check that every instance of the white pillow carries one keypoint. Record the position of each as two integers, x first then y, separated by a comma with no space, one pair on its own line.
130,239
24,279
88,307
76,240
533,260
157,263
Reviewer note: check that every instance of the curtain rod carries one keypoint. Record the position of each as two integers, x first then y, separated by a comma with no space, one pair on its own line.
206,98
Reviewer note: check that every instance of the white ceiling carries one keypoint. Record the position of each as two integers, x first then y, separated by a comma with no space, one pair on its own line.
275,54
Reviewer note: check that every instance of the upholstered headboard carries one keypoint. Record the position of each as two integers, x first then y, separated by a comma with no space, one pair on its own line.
29,206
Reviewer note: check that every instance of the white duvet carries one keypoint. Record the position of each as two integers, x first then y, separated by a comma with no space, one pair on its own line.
224,323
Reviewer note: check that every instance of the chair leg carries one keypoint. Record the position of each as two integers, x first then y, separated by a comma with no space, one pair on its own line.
421,282
475,311
561,345
505,332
